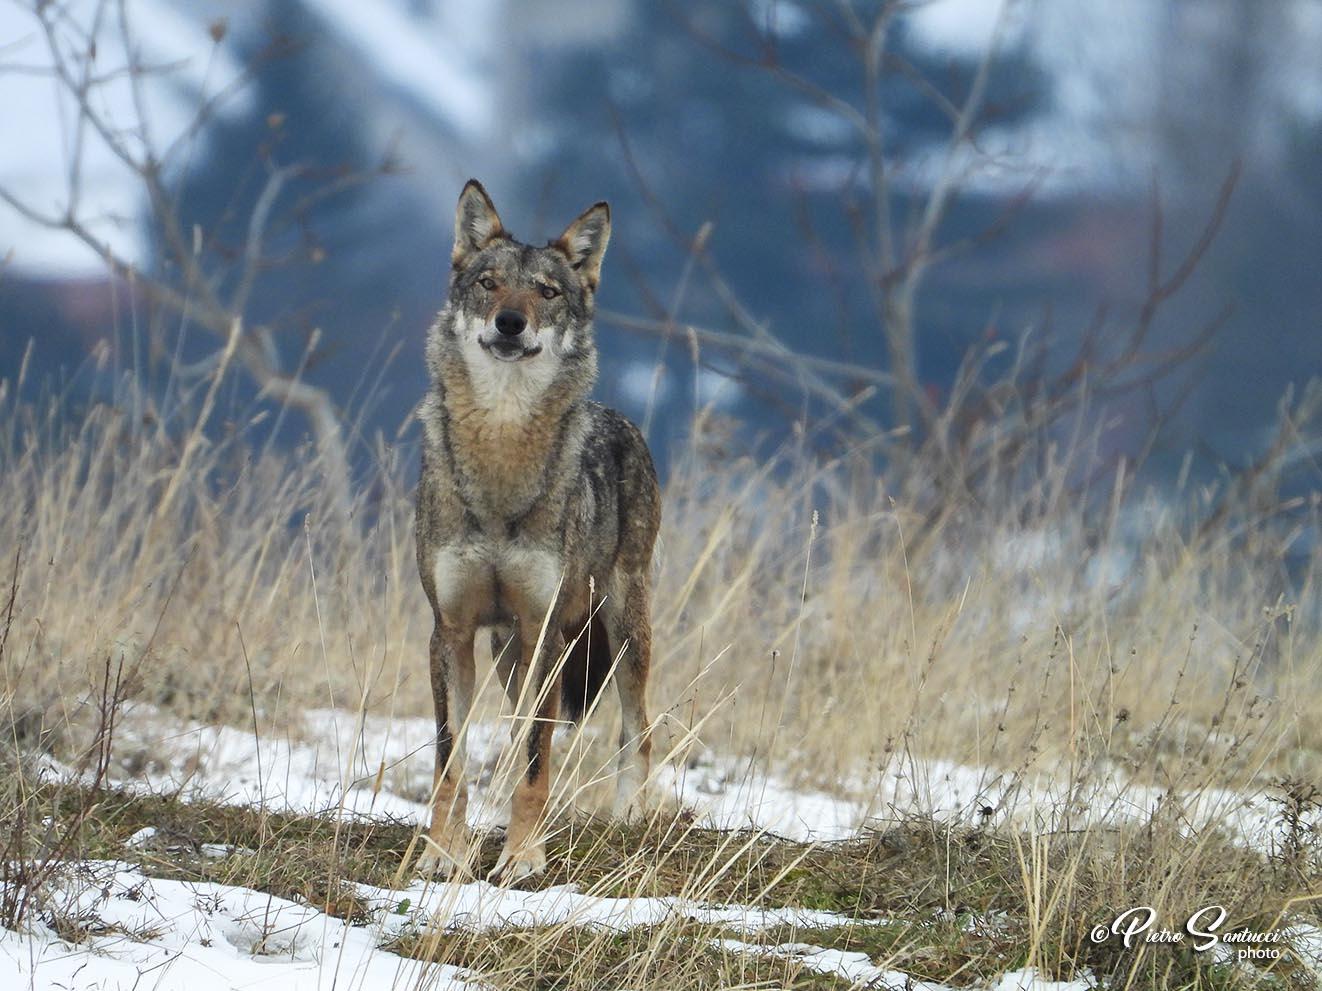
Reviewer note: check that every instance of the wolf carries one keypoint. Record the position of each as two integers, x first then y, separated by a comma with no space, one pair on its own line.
537,512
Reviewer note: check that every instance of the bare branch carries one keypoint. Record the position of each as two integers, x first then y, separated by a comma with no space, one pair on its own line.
740,343
900,328
252,247
192,292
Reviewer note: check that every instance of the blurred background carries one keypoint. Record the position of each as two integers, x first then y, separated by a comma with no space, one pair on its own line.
296,163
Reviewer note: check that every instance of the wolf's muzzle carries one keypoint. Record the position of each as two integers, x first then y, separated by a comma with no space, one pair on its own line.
509,349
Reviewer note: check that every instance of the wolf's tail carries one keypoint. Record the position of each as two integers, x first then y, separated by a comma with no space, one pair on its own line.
586,668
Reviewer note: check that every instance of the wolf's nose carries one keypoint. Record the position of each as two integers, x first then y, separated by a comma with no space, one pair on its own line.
511,322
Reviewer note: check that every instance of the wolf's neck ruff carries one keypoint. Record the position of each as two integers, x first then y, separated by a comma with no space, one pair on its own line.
504,436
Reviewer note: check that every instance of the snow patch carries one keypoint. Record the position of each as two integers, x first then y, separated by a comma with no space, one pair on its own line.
381,766
151,932
854,967
1029,979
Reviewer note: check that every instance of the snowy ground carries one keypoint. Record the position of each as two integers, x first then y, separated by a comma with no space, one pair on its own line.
176,934
383,765
144,932
153,933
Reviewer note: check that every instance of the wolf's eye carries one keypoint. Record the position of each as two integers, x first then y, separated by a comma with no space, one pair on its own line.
487,283
549,292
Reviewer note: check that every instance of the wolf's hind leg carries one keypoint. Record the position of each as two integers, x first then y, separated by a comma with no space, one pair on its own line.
629,627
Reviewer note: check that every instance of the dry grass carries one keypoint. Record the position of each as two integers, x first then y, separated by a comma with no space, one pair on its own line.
810,619
1007,636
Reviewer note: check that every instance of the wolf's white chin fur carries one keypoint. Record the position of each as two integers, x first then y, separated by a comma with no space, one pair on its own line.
508,390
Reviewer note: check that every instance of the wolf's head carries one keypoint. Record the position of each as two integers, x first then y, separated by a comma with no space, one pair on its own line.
520,314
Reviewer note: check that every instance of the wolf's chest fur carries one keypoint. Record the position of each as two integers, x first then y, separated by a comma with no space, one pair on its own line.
504,431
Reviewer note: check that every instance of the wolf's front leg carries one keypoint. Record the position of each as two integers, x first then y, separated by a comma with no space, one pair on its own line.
524,853
448,849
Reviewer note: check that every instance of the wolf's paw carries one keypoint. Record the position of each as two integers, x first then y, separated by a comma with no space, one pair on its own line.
514,866
630,802
628,810
448,859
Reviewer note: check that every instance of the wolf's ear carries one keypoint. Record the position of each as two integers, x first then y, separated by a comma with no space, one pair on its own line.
584,242
476,222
